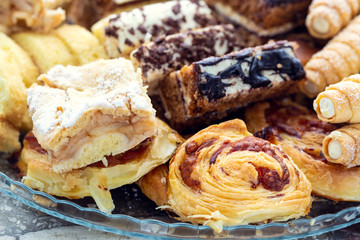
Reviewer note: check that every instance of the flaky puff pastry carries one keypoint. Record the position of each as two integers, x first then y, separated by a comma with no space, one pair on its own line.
85,113
300,134
342,146
327,17
223,176
340,58
340,102
97,180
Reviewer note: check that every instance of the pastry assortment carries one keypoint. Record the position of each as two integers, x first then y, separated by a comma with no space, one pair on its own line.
84,107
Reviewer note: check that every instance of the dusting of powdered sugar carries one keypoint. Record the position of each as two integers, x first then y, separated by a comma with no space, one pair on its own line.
71,91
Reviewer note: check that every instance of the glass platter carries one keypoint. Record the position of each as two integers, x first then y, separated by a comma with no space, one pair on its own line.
137,216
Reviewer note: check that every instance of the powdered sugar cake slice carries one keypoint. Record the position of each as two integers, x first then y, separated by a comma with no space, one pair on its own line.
85,113
158,58
125,31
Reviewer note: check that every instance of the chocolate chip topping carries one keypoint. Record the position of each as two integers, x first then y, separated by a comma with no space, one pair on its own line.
176,9
170,53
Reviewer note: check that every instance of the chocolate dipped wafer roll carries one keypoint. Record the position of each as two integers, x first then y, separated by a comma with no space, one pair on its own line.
124,32
327,17
340,58
164,55
340,102
217,85
342,146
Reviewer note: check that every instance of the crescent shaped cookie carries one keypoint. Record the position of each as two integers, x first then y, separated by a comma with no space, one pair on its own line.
300,134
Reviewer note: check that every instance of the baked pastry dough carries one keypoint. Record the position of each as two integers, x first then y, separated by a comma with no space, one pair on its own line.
96,180
82,44
12,102
327,17
209,89
340,58
85,113
343,146
300,134
167,54
125,31
224,176
46,50
37,15
340,102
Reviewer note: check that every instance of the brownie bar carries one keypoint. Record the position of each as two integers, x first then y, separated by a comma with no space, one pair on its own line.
265,18
219,85
166,54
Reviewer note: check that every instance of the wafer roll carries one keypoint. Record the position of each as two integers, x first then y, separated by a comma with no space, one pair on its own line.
339,58
327,17
342,146
340,102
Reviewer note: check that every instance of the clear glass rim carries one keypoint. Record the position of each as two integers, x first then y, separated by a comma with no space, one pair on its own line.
10,182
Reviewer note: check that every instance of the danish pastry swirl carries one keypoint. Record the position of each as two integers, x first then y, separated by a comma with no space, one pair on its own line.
225,176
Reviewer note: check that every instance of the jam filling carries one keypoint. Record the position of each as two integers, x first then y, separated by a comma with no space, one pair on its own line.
287,119
192,150
270,179
131,155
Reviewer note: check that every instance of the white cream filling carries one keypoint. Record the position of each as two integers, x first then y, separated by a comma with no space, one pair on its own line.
327,108
335,149
321,25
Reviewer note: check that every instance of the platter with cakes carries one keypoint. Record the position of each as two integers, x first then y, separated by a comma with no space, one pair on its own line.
183,119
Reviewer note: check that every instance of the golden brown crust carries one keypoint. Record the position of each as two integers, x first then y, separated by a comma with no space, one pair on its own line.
218,177
327,17
329,180
335,61
97,179
155,185
340,102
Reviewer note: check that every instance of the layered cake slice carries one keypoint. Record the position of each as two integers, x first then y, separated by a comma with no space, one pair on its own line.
125,31
158,58
217,85
260,20
83,114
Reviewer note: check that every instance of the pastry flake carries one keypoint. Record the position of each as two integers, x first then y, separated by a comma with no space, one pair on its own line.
83,114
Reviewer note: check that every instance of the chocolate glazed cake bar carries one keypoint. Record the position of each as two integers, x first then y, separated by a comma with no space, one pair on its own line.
166,54
259,20
209,89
